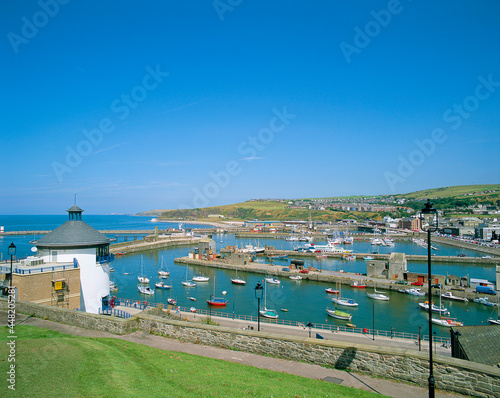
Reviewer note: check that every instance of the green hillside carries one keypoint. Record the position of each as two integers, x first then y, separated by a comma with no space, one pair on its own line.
443,198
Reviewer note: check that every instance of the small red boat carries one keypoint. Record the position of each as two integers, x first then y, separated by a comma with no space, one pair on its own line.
221,302
331,291
171,301
358,285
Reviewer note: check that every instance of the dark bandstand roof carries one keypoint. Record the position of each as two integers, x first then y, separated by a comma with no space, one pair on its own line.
73,233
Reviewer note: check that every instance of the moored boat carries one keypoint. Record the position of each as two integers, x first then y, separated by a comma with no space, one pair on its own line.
435,308
273,281
331,291
218,302
447,322
200,278
358,285
450,296
295,277
162,285
145,290
346,302
339,314
172,301
238,281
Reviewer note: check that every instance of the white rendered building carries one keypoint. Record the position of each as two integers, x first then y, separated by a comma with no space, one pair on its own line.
76,241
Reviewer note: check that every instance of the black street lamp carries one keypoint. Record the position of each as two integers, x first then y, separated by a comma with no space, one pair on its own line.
12,252
259,293
429,216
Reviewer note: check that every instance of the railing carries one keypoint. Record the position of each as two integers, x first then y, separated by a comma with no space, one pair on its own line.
249,318
114,312
105,259
36,270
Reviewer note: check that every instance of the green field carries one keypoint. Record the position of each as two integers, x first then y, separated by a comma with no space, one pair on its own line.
454,191
52,364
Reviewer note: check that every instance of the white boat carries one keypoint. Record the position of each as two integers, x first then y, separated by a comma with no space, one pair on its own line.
163,271
188,283
238,281
415,292
200,278
113,287
368,258
162,285
435,308
273,281
450,296
496,321
292,238
484,301
141,278
145,290
447,322
346,302
295,277
378,296
154,220
266,312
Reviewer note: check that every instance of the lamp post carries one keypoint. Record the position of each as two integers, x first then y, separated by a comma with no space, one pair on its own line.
12,252
429,215
259,292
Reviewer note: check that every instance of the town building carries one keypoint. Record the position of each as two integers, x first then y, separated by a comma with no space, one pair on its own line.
410,223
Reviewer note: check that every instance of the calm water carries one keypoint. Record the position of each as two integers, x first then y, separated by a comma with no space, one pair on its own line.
306,301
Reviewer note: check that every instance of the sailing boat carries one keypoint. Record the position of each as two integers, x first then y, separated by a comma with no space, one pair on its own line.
337,313
447,322
188,283
266,312
217,301
141,278
344,301
237,280
163,272
496,321
377,295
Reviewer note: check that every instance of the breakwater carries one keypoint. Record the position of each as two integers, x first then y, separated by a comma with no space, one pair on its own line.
451,374
142,245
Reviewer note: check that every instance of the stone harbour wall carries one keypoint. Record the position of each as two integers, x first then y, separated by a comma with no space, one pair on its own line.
451,374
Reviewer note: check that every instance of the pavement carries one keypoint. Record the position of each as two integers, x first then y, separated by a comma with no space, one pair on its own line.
364,382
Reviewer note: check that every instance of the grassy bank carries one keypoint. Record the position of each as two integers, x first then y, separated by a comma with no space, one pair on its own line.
52,364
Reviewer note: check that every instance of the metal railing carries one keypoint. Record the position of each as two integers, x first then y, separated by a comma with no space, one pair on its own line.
114,312
284,322
36,269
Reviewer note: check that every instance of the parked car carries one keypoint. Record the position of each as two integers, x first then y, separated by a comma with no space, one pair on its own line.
401,283
437,286
418,283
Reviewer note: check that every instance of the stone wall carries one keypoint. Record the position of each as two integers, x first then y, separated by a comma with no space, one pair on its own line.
451,374
85,320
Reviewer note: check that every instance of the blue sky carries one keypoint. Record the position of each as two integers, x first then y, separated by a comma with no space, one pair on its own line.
162,104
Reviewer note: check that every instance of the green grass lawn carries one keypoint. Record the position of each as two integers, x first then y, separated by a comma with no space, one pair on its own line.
52,364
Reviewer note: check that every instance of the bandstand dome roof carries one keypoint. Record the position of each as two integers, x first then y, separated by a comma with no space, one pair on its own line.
73,233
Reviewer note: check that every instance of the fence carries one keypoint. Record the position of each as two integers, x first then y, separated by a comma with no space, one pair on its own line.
249,318
114,312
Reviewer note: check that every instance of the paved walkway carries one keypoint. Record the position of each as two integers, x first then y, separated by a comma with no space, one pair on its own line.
364,382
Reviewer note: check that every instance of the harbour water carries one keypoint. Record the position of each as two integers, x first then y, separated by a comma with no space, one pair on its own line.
306,301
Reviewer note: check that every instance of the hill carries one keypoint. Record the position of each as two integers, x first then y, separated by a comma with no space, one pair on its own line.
445,197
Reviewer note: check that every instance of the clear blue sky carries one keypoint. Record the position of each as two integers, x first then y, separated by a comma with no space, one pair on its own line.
194,103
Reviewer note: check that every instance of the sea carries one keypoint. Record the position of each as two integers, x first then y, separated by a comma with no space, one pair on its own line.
305,301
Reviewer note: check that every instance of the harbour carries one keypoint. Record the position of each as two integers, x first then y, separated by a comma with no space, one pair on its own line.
305,300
